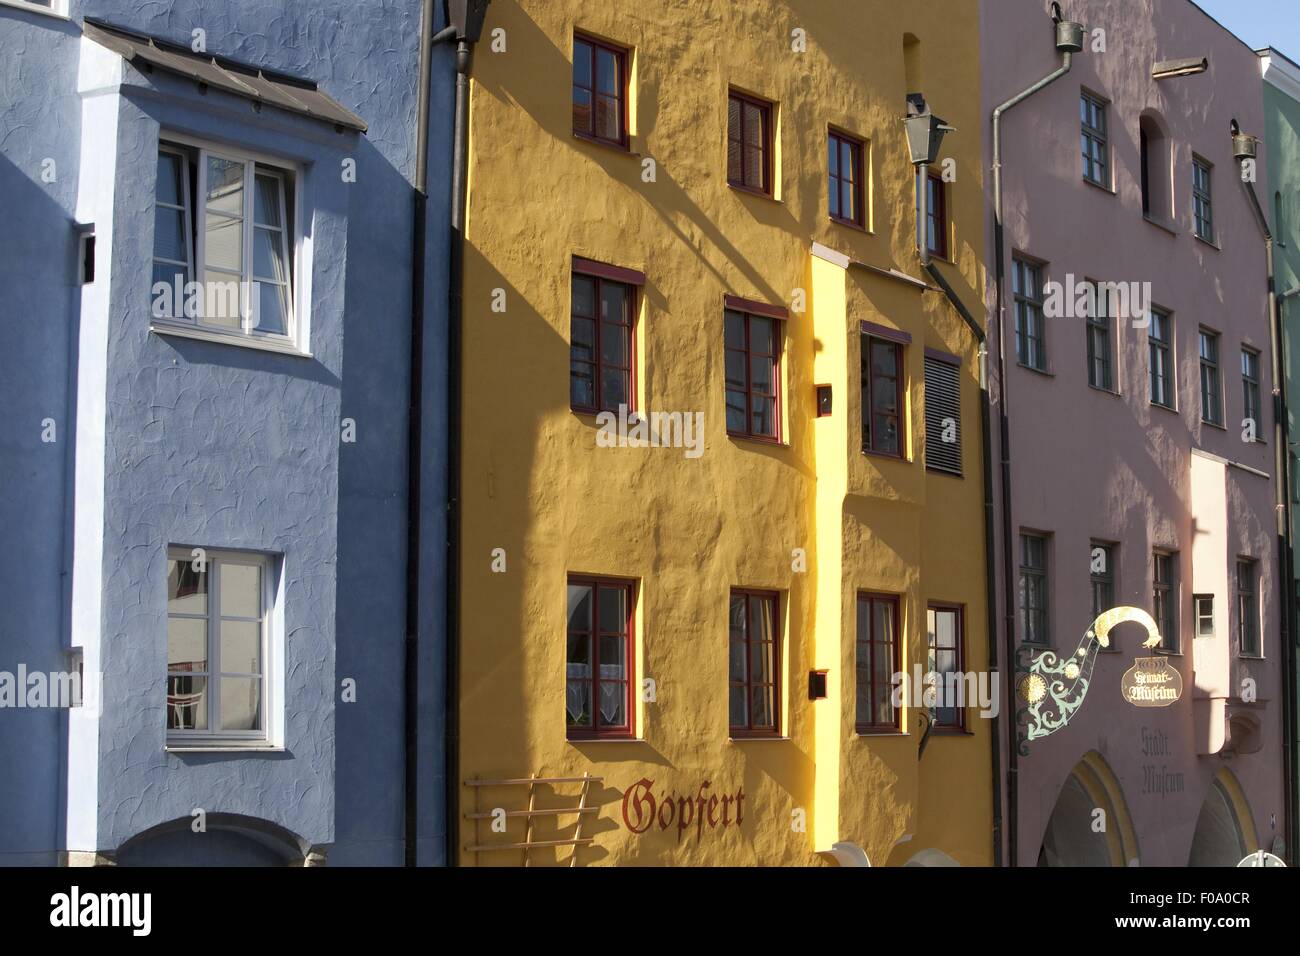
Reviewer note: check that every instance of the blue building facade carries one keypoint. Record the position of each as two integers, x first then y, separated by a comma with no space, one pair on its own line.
205,496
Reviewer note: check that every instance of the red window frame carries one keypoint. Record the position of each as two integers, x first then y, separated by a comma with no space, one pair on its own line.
620,96
937,213
772,651
597,365
869,397
594,633
872,642
737,126
960,665
837,140
733,311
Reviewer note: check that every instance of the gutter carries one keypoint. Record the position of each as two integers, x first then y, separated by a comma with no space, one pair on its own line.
415,424
1069,40
1281,497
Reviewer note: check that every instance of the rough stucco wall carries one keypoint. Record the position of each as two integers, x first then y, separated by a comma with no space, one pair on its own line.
688,529
227,447
38,262
1088,465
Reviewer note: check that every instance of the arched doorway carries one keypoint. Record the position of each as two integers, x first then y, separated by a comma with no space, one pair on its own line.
1225,828
1076,834
228,840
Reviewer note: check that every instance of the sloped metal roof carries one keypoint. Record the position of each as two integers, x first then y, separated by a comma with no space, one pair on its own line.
251,82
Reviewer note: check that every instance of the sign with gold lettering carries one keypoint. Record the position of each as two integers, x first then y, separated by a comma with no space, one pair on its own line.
1151,682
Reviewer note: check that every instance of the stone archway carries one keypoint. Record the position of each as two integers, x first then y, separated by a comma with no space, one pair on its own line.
1225,828
1076,835
230,839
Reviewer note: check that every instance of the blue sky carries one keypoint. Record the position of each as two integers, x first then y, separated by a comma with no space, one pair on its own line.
1260,23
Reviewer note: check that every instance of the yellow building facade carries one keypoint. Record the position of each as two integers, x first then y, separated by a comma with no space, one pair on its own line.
678,643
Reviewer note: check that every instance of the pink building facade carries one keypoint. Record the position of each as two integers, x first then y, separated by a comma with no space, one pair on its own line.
1133,475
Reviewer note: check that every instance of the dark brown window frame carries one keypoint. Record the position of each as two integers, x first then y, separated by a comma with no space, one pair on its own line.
834,181
596,731
601,274
1165,609
749,731
868,390
1251,595
938,211
768,112
749,310
623,56
960,610
895,644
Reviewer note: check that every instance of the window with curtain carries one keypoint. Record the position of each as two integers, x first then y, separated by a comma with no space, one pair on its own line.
846,172
878,661
601,344
753,374
749,143
944,634
598,660
600,90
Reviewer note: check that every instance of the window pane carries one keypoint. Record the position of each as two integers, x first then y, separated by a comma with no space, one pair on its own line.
613,388
886,434
833,156
582,385
762,374
735,369
736,411
224,238
760,335
271,313
187,644
613,653
614,344
241,589
762,709
581,110
764,416
577,703
607,117
736,707
736,669
584,296
269,262
581,63
266,201
170,178
187,703
225,187
735,330
241,703
884,358
613,611
613,703
169,241
582,345
187,588
579,653
241,647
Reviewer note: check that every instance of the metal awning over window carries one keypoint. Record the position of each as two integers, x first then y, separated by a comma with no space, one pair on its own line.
286,92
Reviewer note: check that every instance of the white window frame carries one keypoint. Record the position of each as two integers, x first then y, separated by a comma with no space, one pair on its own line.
55,8
295,339
214,736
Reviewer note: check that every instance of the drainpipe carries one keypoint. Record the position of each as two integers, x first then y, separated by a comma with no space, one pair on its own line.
925,134
1244,150
456,16
1069,40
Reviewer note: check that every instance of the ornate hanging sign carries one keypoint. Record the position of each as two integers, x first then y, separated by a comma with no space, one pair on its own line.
1151,682
1053,688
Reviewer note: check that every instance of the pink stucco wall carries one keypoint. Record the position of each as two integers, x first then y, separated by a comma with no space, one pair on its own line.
1090,465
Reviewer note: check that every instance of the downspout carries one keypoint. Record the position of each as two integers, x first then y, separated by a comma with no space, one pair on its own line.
1069,40
414,434
1244,149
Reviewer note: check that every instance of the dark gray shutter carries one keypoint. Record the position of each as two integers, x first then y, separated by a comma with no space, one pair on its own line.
942,402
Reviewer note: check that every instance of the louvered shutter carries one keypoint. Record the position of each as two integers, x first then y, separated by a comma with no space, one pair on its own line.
942,403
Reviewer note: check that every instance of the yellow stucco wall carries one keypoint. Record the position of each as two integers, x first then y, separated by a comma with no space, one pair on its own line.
688,530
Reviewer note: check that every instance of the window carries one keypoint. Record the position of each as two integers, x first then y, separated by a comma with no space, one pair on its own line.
1092,135
1211,393
942,415
1101,565
1202,201
749,143
755,655
936,216
57,7
882,396
600,90
877,662
1027,286
1247,609
944,628
1203,607
217,646
1144,151
1279,219
224,221
847,178
598,668
1160,343
1099,339
753,359
1034,621
1250,391
601,344
1164,592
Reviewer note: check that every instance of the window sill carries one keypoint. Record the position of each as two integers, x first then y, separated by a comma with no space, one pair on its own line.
951,732
1251,657
850,224
758,439
1161,225
1222,428
224,747
867,732
1165,652
604,740
1101,187
868,453
31,8
624,148
1046,373
756,738
1105,391
239,341
1212,243
751,191
1164,408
